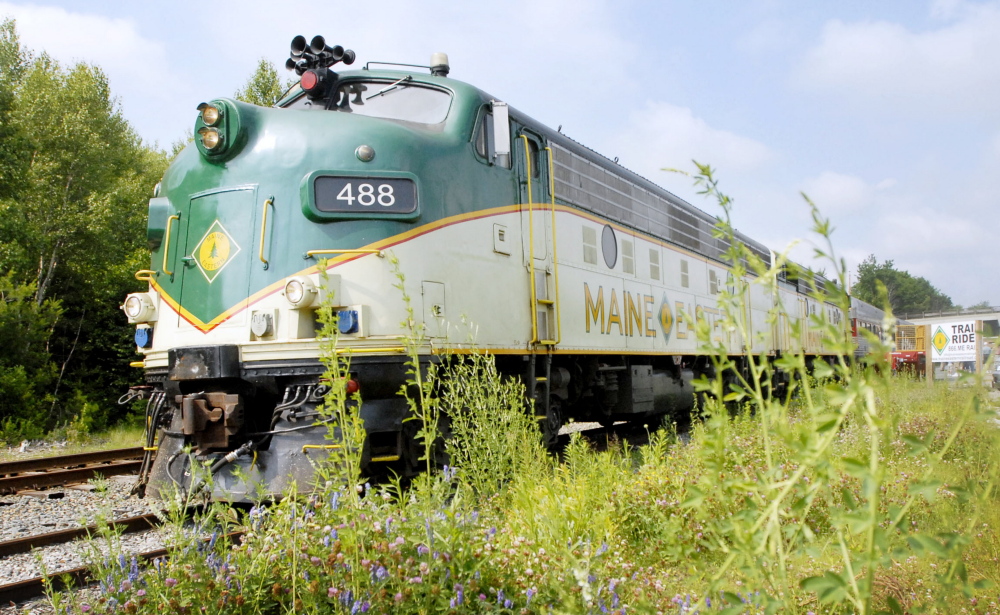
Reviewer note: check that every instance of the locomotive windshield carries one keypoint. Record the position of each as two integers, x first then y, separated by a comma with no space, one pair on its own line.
393,100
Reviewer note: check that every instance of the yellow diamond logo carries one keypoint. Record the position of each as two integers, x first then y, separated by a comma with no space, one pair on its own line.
666,318
940,340
215,250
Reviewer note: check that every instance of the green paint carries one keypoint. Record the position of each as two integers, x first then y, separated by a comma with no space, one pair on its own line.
276,153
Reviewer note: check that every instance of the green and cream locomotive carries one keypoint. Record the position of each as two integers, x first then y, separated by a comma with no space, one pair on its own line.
576,272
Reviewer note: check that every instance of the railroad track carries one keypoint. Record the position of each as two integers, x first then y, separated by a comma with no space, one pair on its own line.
67,469
33,588
63,580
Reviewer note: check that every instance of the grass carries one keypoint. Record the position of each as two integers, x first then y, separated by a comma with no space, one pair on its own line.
850,492
615,530
121,436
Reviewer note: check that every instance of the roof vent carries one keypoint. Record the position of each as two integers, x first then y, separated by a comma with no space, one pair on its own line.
439,64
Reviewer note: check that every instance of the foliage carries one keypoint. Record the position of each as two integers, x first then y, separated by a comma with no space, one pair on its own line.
904,293
74,181
852,491
264,88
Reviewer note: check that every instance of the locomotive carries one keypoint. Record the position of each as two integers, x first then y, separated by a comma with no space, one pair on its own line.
580,275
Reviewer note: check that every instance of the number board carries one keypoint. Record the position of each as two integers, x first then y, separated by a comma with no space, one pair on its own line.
365,195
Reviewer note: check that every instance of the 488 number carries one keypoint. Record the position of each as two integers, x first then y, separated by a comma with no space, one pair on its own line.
368,195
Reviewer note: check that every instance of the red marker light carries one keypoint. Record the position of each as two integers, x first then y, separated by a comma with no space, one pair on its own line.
309,80
353,386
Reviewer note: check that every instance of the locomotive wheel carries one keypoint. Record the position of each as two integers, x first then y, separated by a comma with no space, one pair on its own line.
552,423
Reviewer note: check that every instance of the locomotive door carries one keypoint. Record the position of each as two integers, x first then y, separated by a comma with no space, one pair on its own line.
537,219
215,243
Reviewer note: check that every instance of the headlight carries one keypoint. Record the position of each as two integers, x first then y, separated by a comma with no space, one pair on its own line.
139,308
210,138
217,130
209,114
133,307
300,292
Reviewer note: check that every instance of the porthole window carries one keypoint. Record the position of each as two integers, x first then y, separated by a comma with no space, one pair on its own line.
609,245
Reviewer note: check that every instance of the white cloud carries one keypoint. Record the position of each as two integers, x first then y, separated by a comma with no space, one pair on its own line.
837,194
664,135
877,64
137,67
113,44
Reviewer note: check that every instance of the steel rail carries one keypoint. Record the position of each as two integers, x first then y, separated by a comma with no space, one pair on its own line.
63,580
20,482
8,468
26,544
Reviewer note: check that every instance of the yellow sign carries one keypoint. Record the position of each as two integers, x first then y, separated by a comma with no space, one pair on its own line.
940,340
215,250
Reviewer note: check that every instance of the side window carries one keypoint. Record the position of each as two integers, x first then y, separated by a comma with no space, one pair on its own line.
485,140
535,163
654,263
484,135
628,257
589,245
685,280
713,282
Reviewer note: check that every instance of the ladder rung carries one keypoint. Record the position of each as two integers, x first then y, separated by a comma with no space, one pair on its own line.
547,342
545,301
384,458
541,379
540,417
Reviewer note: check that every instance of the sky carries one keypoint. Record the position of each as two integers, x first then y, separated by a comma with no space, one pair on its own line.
884,113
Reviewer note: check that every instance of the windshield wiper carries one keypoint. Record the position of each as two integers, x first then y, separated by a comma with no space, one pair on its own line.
390,87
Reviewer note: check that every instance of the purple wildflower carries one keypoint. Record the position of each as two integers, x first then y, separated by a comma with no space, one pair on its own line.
500,596
398,597
170,582
126,585
416,580
482,597
531,592
423,550
140,593
315,560
85,608
507,604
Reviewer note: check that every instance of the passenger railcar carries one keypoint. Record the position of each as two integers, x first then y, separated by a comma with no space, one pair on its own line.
579,275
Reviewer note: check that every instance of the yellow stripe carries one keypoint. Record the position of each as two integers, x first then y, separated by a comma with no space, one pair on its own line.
389,242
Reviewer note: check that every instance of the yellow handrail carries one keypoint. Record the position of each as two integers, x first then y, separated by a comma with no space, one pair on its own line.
555,259
531,242
370,350
320,446
263,229
378,253
166,244
145,275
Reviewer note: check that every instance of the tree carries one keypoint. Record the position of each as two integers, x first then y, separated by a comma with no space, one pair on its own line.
905,293
74,183
264,88
13,147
